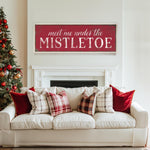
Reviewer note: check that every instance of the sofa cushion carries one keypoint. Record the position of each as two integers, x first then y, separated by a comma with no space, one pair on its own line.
26,121
114,120
74,95
73,120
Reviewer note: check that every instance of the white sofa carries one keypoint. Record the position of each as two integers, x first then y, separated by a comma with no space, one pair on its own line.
75,128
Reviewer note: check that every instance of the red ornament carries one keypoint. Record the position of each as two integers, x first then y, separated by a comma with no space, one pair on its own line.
9,67
3,46
6,26
14,87
3,84
7,89
1,69
4,40
5,21
0,41
0,30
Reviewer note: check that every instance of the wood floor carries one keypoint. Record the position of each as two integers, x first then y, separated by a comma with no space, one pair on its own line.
102,148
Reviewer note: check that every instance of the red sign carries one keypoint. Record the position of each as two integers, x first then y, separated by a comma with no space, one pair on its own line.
75,38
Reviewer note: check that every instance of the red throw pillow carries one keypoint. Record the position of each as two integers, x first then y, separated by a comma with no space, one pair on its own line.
21,101
58,103
122,101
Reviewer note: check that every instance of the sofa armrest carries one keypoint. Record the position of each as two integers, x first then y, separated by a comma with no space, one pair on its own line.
140,115
6,115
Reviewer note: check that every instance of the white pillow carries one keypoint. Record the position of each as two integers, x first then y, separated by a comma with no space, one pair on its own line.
74,95
104,99
39,102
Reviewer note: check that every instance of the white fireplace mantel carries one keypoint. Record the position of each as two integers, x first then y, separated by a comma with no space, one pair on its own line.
43,75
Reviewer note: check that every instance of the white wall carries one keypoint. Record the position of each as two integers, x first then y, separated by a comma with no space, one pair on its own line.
74,11
137,49
16,14
136,44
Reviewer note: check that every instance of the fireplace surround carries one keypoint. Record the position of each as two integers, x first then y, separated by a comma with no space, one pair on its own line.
42,76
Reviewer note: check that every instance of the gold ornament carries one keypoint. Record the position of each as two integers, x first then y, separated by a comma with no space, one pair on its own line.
11,52
2,74
17,76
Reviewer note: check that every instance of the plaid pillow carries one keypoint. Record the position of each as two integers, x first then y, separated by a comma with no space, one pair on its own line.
58,103
38,102
86,104
104,100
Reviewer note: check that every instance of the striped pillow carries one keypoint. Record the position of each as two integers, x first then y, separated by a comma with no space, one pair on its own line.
87,103
104,100
58,103
38,102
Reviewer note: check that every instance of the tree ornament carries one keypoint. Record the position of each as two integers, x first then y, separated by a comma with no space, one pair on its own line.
0,41
15,77
5,21
7,73
3,84
9,67
6,26
1,69
7,89
14,87
2,74
4,40
3,46
18,75
11,52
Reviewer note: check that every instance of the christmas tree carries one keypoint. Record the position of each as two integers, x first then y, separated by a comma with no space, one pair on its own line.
10,72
